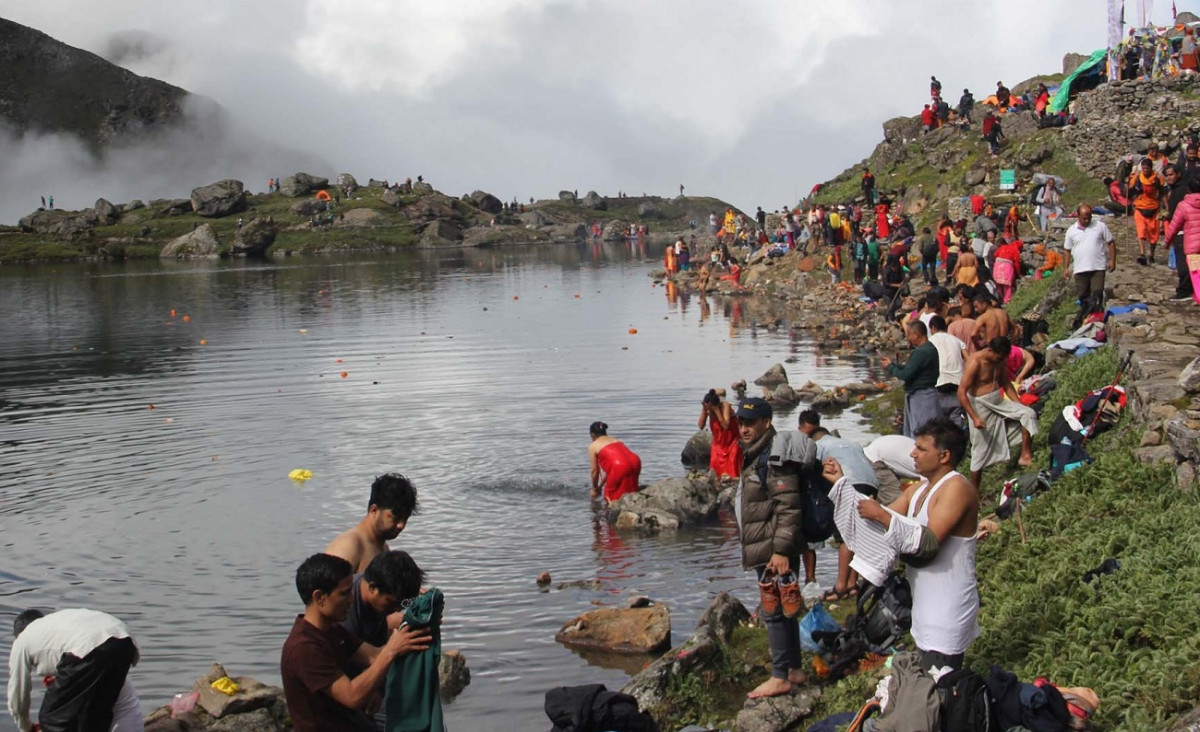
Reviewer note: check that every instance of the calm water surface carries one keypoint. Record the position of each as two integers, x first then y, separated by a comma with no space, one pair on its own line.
475,373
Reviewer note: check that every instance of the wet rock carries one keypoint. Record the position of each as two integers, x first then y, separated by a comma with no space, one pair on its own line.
773,376
543,579
666,505
200,242
568,233
301,184
619,630
595,202
698,450
809,391
254,238
784,396
453,674
534,218
701,653
485,201
778,712
106,213
219,199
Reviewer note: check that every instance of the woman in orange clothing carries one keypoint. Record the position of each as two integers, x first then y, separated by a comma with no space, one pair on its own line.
669,261
726,456
621,466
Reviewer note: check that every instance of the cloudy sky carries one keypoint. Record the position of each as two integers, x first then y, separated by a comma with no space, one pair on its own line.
750,101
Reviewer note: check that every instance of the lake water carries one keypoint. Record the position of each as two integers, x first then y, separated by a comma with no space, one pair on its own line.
144,457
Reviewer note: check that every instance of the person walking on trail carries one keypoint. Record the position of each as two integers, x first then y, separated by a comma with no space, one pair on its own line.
86,655
920,377
928,247
615,468
1091,252
1186,224
945,611
992,131
1147,193
868,186
994,422
393,501
768,508
1049,204
725,459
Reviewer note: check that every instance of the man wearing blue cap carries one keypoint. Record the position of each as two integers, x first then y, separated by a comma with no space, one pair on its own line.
768,508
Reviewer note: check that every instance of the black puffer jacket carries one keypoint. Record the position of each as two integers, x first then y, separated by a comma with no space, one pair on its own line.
770,514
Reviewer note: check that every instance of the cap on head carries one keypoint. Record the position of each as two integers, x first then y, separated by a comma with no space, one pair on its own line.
753,408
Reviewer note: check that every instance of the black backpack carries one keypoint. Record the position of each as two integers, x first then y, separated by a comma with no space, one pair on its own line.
816,517
884,613
966,703
1034,193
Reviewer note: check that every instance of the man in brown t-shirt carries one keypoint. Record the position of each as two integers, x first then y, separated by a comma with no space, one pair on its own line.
320,696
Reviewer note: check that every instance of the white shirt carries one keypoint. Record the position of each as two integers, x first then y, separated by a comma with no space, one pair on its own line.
1088,247
894,451
950,359
42,645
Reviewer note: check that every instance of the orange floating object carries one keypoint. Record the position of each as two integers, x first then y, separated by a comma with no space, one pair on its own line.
204,343
516,297
577,296
339,360
187,318
632,331
345,374
149,406
172,312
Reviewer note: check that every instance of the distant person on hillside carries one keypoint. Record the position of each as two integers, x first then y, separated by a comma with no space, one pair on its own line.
965,104
393,501
1003,95
615,468
1091,251
43,201
927,245
51,202
994,421
927,119
935,87
868,186
761,217
945,611
992,131
1147,189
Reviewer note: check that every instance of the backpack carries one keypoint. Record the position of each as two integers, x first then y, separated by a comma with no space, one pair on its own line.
965,702
884,613
1034,193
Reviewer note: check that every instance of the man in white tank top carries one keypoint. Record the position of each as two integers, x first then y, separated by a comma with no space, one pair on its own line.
942,572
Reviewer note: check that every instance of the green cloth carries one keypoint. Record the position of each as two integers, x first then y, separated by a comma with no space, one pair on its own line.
921,371
1063,95
413,701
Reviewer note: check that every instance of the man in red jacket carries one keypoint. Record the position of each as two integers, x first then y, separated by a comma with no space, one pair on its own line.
927,119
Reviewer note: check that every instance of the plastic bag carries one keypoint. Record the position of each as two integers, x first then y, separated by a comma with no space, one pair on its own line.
818,619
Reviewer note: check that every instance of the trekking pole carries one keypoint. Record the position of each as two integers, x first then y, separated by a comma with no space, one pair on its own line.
1105,393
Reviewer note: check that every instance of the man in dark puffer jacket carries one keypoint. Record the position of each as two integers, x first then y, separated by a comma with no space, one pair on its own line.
769,526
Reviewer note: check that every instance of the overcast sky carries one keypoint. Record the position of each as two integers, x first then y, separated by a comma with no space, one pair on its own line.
748,101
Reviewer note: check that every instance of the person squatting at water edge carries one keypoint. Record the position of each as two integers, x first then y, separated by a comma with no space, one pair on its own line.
615,468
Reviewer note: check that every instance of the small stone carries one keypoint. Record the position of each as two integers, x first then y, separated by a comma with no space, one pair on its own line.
543,579
1150,438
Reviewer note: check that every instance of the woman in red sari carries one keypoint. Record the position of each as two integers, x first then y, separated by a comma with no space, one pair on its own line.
621,466
726,456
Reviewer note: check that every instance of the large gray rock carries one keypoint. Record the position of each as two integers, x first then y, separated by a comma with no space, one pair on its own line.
704,651
595,202
441,233
568,233
773,377
106,213
666,505
778,712
200,242
60,223
253,239
616,230
173,207
251,694
345,179
301,184
219,199
619,630
392,198
1189,378
901,129
567,196
485,201
308,207
648,210
133,205
698,450
422,187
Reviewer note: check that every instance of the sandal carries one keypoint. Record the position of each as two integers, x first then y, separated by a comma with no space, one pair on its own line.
834,596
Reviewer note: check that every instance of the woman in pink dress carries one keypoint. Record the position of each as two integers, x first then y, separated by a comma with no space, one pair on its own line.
621,467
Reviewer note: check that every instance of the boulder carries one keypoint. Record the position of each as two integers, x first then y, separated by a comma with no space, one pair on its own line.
453,674
1189,378
59,222
362,217
308,207
595,202
392,198
975,176
901,129
567,196
377,183
703,652
778,712
485,201
536,219
697,451
1072,61
441,233
619,630
422,187
174,207
133,205
106,213
345,179
250,696
784,396
568,233
200,242
254,237
666,505
616,231
219,199
301,184
1020,124
773,377
648,210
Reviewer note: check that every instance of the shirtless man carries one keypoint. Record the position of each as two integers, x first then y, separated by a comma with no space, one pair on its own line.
992,419
393,500
990,322
945,613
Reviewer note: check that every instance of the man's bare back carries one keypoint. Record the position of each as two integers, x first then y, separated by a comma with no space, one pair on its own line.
983,374
992,324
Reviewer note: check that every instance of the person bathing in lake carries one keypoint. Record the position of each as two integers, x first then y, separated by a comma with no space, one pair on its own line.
726,456
621,467
393,501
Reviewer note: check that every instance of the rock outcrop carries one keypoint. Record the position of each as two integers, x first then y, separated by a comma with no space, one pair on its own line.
485,201
198,243
255,237
667,505
441,233
308,207
698,450
619,630
345,179
595,201
219,199
301,184
106,213
71,224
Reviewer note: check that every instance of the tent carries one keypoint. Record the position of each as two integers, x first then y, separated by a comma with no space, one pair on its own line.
1093,65
322,195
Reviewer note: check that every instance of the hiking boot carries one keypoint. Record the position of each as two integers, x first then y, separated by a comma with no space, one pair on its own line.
791,599
1179,298
768,593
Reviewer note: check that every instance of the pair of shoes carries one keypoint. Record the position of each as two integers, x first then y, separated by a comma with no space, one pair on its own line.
769,596
791,599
